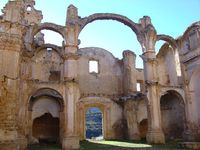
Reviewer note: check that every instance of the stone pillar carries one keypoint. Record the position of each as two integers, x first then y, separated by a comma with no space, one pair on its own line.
129,72
130,109
148,40
72,94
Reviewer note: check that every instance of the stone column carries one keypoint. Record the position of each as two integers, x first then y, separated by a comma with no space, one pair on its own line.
72,94
148,40
129,73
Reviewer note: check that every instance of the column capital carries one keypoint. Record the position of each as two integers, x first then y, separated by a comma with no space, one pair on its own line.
148,35
151,82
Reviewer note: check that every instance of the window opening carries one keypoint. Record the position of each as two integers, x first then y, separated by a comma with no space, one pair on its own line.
138,86
93,66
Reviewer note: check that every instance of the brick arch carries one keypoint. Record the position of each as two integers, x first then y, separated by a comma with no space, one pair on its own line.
46,92
136,28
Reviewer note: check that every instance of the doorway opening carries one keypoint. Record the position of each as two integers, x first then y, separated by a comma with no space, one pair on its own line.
173,115
93,123
46,128
143,128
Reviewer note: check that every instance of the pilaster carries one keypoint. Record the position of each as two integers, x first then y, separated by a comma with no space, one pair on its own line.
72,94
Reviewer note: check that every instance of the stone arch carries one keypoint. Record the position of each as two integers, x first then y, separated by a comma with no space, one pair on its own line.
109,16
57,49
167,39
46,92
33,30
177,91
45,108
49,26
103,104
172,115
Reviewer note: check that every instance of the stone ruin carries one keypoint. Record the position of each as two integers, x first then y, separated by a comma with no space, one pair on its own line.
46,89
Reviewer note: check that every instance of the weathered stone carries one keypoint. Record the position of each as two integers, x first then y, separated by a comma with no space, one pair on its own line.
44,83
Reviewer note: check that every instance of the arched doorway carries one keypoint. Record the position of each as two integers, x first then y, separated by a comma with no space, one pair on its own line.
93,123
46,116
172,115
143,128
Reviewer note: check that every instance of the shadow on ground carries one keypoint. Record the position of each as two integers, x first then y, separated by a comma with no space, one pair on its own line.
45,146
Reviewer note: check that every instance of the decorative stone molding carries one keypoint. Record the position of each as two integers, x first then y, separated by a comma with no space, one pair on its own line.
191,55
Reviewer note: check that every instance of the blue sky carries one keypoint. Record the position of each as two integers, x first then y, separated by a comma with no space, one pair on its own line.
170,17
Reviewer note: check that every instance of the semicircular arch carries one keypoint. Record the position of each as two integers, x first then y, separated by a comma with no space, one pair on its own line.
109,16
49,26
167,39
57,49
175,92
46,92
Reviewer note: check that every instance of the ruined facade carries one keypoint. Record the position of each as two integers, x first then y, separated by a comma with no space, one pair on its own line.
44,86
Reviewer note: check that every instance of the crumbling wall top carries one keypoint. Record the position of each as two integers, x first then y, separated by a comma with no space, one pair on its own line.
22,12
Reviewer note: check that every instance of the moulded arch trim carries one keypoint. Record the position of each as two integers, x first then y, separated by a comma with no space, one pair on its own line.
167,39
109,16
46,92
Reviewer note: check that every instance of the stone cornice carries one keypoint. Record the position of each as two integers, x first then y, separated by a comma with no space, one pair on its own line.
111,96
